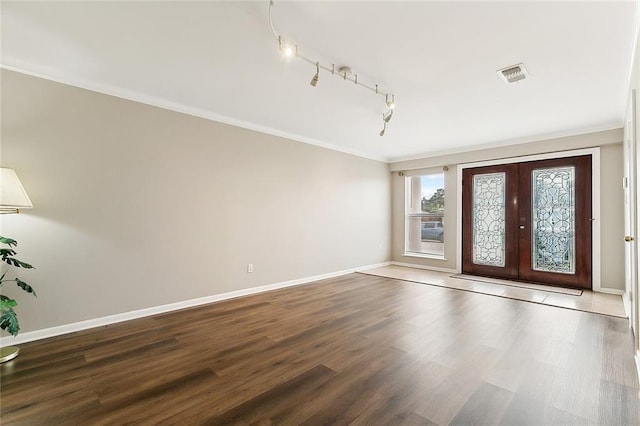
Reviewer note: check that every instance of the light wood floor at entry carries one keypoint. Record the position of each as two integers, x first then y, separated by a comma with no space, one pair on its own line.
356,349
599,303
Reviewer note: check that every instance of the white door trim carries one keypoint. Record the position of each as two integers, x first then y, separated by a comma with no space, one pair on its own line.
630,215
595,200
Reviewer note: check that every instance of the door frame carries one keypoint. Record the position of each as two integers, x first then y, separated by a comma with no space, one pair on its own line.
595,203
632,213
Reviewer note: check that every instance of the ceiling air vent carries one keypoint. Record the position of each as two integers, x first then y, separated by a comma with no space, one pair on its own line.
513,73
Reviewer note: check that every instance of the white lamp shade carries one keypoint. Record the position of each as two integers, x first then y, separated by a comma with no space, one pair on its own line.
12,193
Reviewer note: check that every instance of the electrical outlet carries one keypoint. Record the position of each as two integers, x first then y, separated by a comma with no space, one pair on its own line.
250,268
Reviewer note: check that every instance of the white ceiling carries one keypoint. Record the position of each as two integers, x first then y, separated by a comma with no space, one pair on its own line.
220,60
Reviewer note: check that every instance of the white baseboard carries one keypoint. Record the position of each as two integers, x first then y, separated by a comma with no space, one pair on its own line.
126,316
377,265
627,306
430,268
615,291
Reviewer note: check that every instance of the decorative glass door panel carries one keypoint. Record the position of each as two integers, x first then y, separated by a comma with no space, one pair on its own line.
553,220
488,219
529,221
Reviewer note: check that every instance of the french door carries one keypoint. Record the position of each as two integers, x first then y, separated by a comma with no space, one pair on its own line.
529,221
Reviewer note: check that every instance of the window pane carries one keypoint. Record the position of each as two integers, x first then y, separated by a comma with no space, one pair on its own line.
424,222
553,220
489,219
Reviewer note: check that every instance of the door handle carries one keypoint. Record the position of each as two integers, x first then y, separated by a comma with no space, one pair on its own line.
628,238
521,226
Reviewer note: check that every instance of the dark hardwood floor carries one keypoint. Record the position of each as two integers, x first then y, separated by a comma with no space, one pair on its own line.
357,349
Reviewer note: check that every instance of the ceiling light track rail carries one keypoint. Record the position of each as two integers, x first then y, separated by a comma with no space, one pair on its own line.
341,72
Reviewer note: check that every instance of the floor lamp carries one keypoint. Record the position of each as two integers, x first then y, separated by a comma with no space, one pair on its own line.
13,197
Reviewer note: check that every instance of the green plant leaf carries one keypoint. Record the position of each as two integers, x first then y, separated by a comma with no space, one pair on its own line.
17,263
5,252
8,241
9,321
8,317
26,287
7,302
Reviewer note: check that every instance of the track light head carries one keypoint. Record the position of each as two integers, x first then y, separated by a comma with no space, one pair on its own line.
287,51
314,80
391,102
386,117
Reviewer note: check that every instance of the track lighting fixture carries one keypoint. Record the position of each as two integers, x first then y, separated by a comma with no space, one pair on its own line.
343,72
314,80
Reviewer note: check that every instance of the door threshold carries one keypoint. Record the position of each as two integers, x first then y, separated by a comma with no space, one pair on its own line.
531,286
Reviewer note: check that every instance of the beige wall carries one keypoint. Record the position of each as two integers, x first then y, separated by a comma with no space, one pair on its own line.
136,206
612,213
611,223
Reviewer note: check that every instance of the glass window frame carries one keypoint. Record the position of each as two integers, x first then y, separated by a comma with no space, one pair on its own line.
414,209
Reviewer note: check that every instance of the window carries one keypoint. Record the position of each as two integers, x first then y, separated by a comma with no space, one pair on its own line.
424,215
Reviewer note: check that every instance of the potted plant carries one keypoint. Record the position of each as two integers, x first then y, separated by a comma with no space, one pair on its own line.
8,317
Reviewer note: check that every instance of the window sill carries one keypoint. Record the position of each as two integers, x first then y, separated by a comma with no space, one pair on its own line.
424,256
